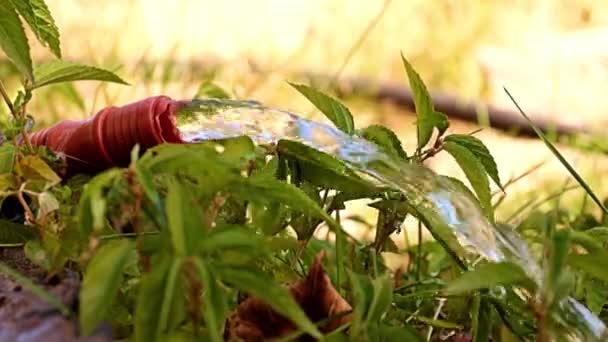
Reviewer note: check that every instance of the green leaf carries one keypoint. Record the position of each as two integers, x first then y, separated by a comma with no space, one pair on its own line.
489,275
7,158
101,283
322,169
14,234
480,151
215,307
209,89
39,18
264,288
387,333
475,173
13,40
594,264
333,110
58,71
180,209
386,139
482,319
32,167
428,118
381,299
559,253
560,157
150,298
92,206
225,238
263,188
169,294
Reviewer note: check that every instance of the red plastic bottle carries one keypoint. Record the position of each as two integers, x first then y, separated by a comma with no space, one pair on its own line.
106,139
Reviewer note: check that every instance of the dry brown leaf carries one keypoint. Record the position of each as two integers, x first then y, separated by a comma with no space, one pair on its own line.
255,320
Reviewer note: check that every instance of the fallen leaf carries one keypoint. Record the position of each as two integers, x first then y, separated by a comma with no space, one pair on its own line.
255,320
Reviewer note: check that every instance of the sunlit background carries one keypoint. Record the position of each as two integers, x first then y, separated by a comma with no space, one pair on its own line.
551,54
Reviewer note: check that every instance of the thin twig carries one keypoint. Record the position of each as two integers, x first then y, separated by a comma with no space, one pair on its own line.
7,100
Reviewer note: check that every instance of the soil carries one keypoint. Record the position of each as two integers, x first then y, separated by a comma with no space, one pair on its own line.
25,317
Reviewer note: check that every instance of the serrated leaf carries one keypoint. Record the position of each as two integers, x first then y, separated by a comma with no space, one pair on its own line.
386,139
264,288
428,118
488,275
332,108
101,283
265,188
7,158
475,173
32,167
13,40
58,71
480,151
14,234
39,18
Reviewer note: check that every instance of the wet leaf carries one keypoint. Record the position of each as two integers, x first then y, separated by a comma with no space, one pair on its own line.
101,281
13,40
475,173
332,108
386,139
428,118
322,169
59,71
39,18
479,149
489,275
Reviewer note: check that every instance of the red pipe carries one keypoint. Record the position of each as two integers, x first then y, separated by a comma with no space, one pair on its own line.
106,139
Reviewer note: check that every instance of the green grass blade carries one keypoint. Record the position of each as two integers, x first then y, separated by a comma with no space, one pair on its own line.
559,156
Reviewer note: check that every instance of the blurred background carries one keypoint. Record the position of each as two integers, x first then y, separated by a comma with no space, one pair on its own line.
551,54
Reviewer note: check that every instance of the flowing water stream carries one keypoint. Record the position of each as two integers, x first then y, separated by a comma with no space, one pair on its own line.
217,119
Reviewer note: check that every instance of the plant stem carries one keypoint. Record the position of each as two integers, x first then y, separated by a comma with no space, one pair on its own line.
7,100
